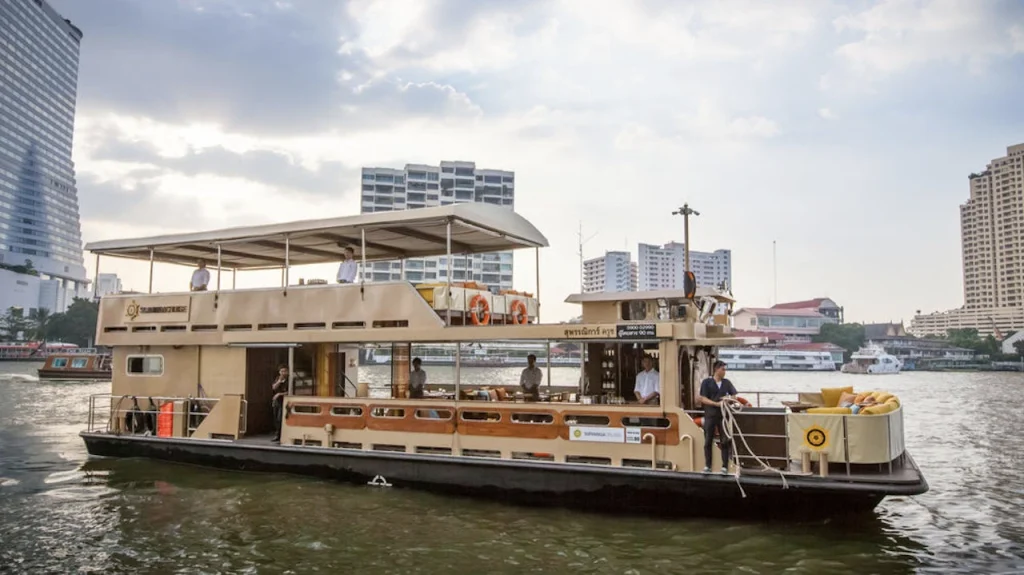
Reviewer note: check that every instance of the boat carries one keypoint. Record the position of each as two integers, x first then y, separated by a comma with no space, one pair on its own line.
32,350
192,376
872,359
777,359
76,365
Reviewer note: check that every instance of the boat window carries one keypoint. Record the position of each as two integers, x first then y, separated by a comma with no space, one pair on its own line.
481,416
347,411
588,460
532,418
634,310
587,420
387,412
145,365
306,409
433,414
531,456
79,362
661,422
60,362
481,453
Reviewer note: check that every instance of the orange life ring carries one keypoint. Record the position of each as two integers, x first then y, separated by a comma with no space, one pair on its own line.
743,401
479,310
519,313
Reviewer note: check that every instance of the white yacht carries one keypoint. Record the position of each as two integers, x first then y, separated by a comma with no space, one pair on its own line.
777,360
872,359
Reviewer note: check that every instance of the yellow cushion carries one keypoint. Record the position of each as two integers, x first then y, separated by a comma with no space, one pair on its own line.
883,396
879,409
830,395
830,410
894,400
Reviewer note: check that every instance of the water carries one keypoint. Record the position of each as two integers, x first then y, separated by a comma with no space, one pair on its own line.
61,513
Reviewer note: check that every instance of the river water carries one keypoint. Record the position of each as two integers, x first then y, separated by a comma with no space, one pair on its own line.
63,513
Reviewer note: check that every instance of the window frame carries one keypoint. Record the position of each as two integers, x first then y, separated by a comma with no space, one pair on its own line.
128,360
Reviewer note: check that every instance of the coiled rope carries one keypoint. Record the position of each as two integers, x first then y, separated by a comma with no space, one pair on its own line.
732,429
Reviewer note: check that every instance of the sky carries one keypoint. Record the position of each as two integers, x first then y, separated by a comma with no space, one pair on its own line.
842,131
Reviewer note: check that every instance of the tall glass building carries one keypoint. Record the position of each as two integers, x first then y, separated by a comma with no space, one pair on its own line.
39,220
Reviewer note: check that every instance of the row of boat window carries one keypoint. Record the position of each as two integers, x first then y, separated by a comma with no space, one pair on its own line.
76,363
489,416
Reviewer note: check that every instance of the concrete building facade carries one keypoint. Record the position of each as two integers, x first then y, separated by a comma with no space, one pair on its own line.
662,267
39,219
107,284
613,272
420,186
992,249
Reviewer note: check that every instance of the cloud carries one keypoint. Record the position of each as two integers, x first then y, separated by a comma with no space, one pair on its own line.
899,34
826,114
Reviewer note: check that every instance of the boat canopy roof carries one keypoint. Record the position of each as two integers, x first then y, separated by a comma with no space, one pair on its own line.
646,295
476,228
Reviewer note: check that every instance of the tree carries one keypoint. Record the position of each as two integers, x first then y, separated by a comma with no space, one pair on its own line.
966,337
77,325
1019,346
849,336
13,324
38,323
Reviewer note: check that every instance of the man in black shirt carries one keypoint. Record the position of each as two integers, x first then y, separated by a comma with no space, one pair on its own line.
713,391
280,389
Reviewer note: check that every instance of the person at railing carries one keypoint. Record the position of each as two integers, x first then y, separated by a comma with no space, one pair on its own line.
280,389
530,379
713,391
347,269
648,383
200,277
417,379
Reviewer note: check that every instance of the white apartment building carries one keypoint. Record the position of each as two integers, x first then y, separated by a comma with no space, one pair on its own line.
992,247
662,267
107,284
615,271
420,186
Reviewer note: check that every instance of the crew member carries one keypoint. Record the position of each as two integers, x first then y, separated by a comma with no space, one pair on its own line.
200,278
347,269
713,391
417,379
648,383
280,389
531,378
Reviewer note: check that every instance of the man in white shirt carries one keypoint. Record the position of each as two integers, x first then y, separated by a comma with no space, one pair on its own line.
200,278
347,270
417,379
648,383
531,378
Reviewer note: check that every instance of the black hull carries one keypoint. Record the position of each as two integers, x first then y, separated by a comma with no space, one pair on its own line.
629,490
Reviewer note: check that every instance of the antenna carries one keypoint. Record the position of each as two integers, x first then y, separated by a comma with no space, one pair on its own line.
579,237
775,276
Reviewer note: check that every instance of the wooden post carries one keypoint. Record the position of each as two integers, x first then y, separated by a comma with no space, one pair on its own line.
823,463
805,462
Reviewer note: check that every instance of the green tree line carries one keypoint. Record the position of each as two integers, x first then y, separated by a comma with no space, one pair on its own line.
77,325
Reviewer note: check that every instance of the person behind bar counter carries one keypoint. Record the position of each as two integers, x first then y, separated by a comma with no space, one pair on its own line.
417,379
530,379
648,383
713,391
280,389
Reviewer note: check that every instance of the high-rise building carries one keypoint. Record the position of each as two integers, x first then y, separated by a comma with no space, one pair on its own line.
40,232
421,186
662,267
615,271
992,247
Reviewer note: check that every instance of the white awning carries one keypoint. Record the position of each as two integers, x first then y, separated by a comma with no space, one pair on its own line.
476,228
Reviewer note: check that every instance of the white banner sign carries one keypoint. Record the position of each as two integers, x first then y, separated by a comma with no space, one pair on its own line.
600,434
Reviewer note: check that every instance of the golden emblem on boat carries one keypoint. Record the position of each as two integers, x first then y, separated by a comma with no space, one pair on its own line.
133,310
816,437
578,434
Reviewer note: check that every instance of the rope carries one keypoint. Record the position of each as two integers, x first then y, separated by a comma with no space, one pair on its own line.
732,429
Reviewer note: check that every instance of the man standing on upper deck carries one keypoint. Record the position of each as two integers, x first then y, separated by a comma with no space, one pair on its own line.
200,278
417,379
648,383
531,378
347,270
713,391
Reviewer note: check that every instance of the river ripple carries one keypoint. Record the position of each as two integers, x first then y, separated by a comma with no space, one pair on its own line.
61,513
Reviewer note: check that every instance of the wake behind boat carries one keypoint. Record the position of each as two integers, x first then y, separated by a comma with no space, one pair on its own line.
192,376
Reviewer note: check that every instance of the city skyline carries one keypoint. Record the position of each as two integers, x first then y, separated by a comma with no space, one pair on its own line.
822,127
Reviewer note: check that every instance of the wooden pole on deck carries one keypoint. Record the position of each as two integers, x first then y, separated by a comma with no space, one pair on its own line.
536,259
448,250
218,267
287,262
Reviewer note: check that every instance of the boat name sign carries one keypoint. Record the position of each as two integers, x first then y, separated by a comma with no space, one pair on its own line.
618,331
604,434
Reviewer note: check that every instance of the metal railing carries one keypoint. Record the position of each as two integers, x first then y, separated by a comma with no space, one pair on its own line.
137,415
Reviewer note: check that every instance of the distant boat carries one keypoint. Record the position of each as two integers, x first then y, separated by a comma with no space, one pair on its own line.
872,359
77,365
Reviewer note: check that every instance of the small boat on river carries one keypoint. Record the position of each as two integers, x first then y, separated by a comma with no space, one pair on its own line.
193,372
872,359
76,365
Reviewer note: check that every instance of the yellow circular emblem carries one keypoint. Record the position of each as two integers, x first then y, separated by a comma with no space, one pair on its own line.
816,437
577,433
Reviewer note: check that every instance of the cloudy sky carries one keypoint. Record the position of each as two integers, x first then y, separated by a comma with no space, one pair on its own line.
843,131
